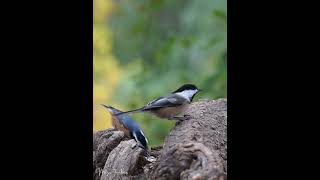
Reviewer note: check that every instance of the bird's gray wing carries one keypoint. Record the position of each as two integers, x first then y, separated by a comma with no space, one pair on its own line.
167,101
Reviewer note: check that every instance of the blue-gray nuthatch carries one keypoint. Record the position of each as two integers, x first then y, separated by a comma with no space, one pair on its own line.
170,105
126,124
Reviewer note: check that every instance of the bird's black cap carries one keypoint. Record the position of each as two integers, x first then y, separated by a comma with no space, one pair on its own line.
186,87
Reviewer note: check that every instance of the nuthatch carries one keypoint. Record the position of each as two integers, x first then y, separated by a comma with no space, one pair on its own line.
126,124
170,105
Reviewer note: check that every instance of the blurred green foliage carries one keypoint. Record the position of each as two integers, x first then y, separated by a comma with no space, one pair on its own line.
159,45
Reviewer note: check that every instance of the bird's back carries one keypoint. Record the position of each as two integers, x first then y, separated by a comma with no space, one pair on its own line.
128,122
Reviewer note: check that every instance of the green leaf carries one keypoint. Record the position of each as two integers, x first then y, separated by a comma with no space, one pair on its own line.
219,13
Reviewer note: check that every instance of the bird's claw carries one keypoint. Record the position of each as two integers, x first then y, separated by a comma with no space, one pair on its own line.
186,116
183,118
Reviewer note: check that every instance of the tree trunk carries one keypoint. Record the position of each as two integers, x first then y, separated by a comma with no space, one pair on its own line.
194,149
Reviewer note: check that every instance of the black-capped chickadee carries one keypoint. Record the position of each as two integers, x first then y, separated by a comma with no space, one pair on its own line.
170,105
126,124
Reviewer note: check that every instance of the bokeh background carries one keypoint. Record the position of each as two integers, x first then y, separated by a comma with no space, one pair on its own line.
146,48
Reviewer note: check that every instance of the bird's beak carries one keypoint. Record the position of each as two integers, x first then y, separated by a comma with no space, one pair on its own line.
200,90
105,106
109,108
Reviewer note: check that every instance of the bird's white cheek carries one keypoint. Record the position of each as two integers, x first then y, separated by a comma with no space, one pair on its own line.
188,93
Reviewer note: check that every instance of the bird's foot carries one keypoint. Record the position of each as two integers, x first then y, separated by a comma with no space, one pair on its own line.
178,122
181,118
187,117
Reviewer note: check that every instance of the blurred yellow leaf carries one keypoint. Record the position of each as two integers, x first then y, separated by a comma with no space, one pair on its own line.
102,119
102,41
107,71
101,9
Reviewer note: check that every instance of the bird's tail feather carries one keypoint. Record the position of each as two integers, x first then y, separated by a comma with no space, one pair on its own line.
139,137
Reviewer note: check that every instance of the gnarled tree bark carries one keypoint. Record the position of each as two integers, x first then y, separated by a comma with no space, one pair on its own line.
194,149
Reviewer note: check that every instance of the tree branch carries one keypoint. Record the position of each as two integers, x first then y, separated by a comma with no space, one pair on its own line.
194,149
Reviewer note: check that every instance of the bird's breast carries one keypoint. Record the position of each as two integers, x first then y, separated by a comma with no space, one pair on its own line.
168,112
119,126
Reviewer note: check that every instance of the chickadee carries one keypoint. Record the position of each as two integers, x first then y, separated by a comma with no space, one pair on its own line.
170,105
126,124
